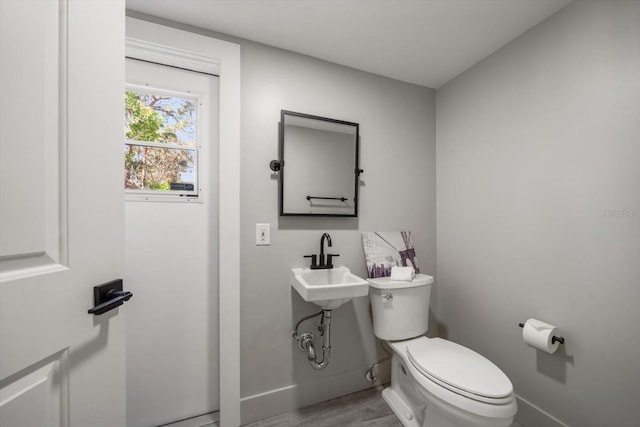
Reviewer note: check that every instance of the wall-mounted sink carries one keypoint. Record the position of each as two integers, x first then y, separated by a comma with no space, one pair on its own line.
328,288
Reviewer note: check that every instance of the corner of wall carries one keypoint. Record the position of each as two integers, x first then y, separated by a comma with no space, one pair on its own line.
529,415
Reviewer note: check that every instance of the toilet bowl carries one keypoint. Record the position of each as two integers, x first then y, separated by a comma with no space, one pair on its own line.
434,382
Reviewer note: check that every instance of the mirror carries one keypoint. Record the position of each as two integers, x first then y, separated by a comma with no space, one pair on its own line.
318,166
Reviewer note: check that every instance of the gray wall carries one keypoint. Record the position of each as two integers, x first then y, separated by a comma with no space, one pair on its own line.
539,210
398,155
397,130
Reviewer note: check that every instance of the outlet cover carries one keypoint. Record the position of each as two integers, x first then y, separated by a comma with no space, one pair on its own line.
263,235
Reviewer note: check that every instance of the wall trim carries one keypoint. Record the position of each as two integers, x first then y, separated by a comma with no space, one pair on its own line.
154,52
207,51
288,398
529,415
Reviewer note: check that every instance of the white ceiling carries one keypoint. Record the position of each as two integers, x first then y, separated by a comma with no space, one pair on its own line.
426,42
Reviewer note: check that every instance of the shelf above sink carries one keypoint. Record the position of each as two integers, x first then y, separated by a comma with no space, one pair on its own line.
328,288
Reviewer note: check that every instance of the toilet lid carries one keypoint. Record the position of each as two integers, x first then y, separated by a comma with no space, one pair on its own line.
459,369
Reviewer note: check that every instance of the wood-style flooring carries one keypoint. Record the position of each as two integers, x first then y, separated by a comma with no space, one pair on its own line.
364,408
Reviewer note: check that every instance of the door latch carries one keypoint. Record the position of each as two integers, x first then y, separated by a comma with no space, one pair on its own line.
108,296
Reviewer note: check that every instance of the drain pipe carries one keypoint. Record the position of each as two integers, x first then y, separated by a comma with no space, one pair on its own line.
306,340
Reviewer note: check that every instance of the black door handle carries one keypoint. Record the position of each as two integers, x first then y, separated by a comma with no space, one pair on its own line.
108,296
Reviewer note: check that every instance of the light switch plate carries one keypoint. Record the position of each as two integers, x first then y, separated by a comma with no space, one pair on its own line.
263,234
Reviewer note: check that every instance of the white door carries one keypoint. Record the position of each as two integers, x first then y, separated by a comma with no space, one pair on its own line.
171,243
61,213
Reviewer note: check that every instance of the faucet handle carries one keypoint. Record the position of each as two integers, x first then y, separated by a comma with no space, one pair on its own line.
314,260
330,260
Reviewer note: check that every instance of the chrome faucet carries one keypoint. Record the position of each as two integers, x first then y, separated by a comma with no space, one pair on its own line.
318,261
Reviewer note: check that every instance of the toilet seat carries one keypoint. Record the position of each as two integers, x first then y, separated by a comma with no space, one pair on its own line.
460,370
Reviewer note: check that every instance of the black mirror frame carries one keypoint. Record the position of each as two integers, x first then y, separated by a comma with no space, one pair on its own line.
279,165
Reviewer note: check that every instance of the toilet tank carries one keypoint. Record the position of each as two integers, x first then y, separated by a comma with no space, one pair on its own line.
400,309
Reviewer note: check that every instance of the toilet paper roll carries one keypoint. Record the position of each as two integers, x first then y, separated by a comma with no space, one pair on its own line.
539,334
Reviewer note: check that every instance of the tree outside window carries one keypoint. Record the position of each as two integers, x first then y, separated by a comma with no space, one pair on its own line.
160,150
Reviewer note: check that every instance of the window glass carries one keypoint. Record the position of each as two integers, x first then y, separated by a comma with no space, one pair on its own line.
155,168
160,151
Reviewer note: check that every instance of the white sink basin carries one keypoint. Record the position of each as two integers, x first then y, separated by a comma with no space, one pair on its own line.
328,288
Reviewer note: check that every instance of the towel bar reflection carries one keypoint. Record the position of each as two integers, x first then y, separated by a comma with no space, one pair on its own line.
342,199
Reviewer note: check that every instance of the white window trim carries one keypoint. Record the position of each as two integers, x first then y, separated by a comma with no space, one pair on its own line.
161,40
131,195
170,55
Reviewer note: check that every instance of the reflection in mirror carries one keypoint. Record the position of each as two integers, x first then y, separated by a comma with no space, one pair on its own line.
320,165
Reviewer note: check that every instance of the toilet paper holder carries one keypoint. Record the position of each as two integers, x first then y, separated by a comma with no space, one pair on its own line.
554,339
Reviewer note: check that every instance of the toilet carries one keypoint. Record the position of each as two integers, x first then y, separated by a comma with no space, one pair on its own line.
434,382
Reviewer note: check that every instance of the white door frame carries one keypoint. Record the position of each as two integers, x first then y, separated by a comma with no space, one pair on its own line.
159,43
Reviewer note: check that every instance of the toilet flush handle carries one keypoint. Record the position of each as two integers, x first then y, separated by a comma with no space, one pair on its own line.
388,296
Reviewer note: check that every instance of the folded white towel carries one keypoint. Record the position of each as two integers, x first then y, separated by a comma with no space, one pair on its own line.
405,274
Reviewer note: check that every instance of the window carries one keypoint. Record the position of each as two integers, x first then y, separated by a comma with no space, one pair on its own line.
160,143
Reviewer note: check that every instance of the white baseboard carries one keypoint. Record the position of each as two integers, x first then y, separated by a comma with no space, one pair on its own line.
278,401
529,415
